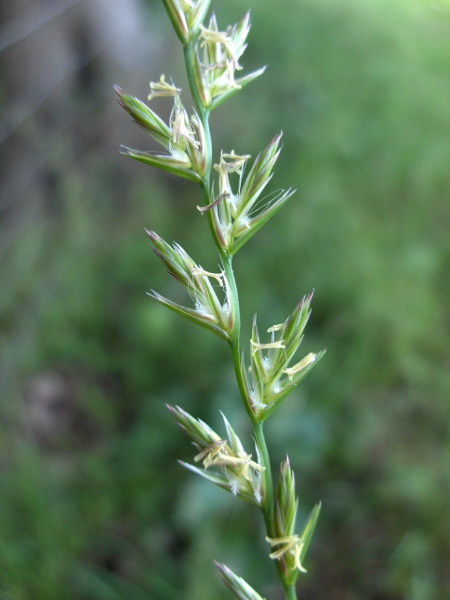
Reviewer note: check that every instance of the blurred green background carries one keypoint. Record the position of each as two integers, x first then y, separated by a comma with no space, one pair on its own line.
93,504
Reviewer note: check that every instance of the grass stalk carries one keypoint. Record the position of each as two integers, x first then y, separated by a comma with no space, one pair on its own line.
212,60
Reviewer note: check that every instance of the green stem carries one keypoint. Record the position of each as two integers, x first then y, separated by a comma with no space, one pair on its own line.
290,591
267,506
204,117
202,111
268,501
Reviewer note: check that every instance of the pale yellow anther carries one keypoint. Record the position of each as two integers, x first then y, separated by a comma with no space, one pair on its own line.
290,543
231,67
179,128
222,459
236,163
211,36
218,455
297,554
275,328
217,201
163,89
211,451
247,463
202,273
224,182
291,371
270,346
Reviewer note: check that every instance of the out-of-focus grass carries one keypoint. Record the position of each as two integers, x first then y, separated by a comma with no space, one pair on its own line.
98,508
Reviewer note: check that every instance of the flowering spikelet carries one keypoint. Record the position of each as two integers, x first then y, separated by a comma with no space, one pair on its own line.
208,312
242,212
217,55
225,462
271,378
289,547
183,138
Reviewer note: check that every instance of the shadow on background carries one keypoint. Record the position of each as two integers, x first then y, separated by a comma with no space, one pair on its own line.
93,504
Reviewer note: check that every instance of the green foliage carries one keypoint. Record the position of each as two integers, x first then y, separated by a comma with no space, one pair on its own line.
362,88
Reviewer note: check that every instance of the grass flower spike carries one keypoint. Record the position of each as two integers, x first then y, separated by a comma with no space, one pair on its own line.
235,207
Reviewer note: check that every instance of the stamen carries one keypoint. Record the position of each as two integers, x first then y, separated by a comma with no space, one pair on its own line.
270,346
162,88
231,66
179,127
297,552
289,543
202,273
291,371
236,164
211,36
216,202
211,451
216,455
